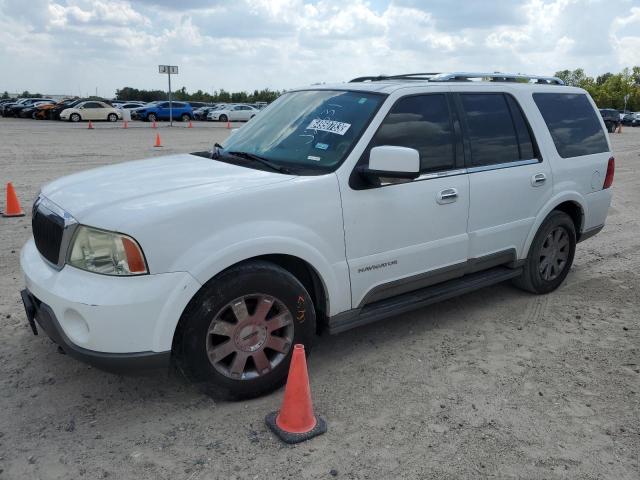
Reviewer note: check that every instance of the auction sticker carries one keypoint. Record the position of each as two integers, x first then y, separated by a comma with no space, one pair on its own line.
330,126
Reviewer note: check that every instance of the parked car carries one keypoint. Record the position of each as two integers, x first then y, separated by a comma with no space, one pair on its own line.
128,106
13,109
202,112
611,118
636,120
196,105
30,111
627,119
160,111
91,110
54,113
233,113
338,206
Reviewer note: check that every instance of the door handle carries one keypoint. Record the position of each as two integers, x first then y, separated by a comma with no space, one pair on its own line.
448,195
538,179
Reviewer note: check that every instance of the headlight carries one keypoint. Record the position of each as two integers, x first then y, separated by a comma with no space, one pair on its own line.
105,252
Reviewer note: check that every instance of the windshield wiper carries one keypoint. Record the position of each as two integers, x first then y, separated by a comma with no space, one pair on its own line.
215,151
262,160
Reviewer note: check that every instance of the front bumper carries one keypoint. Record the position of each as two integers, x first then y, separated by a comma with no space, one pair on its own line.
105,315
40,314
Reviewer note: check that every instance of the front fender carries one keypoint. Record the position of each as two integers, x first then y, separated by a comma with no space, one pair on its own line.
566,196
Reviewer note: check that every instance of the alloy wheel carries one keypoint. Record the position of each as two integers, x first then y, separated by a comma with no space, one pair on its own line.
250,336
554,254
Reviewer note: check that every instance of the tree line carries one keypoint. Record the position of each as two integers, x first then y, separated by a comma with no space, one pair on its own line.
609,89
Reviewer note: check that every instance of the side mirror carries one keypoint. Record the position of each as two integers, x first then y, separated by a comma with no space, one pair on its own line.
392,163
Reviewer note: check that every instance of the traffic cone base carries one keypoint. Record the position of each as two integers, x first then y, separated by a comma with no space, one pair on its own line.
292,437
13,205
296,422
190,124
228,125
158,143
125,124
90,127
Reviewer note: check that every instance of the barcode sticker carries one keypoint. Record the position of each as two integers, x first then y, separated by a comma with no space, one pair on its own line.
330,126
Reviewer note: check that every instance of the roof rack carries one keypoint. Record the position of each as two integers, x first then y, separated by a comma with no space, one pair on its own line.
467,77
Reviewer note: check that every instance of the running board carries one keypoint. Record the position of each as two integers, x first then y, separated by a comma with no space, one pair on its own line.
420,298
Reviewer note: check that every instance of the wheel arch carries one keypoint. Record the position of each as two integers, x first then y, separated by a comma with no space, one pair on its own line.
570,203
304,272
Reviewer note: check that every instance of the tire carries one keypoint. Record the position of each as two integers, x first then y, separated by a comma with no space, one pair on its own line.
557,237
112,117
75,117
223,118
219,307
152,117
185,117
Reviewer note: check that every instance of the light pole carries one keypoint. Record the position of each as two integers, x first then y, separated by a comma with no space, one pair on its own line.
169,69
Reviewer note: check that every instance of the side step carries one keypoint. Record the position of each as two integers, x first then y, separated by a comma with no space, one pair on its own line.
420,298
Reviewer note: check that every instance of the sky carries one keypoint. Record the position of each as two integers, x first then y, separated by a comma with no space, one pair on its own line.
77,46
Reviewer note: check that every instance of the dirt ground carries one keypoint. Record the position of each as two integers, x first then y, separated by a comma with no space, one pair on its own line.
497,383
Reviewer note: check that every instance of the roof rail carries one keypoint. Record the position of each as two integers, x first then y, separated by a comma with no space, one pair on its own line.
407,76
466,77
495,77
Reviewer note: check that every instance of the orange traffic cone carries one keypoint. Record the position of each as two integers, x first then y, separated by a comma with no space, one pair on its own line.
13,205
158,143
190,124
228,125
296,421
90,127
153,125
125,124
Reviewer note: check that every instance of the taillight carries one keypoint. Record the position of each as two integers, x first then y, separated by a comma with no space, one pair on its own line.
608,180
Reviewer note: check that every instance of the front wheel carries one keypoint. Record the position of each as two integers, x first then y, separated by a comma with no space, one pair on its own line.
112,117
240,329
223,118
550,255
185,117
152,117
75,117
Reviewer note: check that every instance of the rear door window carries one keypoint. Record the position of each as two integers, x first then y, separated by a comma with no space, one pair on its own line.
422,122
573,123
491,130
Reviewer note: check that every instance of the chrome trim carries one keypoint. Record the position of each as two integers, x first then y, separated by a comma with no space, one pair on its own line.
45,205
498,166
446,173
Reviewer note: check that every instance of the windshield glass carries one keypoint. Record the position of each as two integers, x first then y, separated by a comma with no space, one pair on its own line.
312,129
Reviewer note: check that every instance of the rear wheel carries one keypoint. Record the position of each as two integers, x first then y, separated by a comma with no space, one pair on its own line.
75,117
239,330
185,117
550,256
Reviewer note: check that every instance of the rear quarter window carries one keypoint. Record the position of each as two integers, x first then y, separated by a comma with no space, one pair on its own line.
573,123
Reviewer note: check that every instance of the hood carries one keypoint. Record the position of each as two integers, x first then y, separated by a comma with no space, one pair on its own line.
161,182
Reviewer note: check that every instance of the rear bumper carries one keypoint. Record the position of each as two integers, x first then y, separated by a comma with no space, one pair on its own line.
41,315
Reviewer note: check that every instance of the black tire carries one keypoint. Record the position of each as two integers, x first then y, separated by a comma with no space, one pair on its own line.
185,117
112,117
75,117
223,118
193,342
152,117
532,279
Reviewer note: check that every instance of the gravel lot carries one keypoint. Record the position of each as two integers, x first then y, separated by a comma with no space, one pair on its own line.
497,383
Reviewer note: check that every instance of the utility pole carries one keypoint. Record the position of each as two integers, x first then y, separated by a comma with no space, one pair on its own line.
169,69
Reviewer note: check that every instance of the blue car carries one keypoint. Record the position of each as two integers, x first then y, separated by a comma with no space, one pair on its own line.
160,111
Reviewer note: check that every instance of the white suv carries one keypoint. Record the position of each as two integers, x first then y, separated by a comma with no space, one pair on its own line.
339,205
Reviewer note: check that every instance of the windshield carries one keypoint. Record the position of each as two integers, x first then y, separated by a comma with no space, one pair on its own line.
311,129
